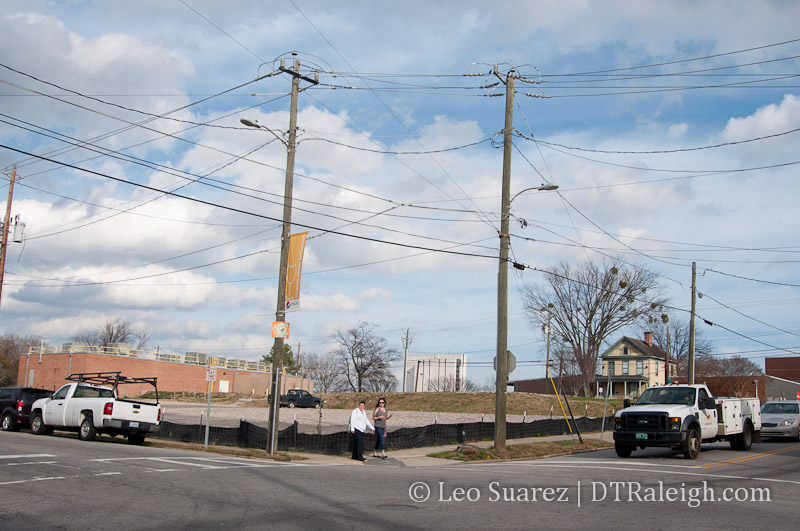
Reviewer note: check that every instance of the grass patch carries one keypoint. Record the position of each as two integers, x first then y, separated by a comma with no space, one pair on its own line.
251,453
523,451
475,402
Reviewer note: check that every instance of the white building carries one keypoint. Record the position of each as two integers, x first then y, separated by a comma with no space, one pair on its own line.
436,372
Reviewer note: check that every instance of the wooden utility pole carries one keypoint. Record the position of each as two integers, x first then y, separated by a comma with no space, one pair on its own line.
280,312
6,226
691,324
502,275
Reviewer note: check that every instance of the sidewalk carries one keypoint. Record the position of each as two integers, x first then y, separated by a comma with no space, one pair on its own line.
417,457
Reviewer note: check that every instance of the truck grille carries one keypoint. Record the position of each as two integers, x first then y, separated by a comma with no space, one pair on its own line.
644,422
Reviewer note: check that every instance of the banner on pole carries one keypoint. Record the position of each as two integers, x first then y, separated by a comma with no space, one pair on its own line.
297,245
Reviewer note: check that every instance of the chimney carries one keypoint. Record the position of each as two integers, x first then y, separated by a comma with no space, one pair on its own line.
648,338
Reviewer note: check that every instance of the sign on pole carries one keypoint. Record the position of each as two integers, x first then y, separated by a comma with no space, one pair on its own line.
511,362
280,329
211,374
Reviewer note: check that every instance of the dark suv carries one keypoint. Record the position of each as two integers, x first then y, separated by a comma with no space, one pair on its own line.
15,405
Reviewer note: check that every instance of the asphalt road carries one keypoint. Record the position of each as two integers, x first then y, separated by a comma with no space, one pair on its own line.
60,482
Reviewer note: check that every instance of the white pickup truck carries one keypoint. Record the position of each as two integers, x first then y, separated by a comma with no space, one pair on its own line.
90,405
683,416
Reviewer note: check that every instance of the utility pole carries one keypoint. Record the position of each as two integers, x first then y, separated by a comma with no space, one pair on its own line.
691,324
502,275
280,312
6,224
405,359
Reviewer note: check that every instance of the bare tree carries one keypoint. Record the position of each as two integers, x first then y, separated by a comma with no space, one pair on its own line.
11,347
324,371
112,331
588,303
448,384
732,376
381,382
673,337
362,354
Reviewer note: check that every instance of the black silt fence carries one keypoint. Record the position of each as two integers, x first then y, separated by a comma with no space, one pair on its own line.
290,439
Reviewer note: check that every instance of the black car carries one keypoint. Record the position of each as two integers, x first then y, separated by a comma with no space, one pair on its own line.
15,405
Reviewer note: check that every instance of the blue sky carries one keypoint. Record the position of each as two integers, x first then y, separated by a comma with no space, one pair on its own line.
398,144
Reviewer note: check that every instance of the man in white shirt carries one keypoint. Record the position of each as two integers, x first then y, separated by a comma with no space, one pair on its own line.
358,425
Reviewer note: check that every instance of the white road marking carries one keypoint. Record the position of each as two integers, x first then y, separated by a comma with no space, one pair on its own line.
29,456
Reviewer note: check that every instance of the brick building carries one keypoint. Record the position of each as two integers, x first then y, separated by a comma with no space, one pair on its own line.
47,368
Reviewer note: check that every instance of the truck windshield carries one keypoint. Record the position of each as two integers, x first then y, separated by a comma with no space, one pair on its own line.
667,395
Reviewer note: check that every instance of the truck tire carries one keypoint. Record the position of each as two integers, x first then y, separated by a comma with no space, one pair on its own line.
135,438
743,441
9,424
691,445
623,450
38,427
317,405
291,404
87,432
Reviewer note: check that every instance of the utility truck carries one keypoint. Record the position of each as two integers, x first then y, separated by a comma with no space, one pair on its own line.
91,405
684,416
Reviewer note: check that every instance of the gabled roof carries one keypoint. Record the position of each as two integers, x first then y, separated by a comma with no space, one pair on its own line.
655,351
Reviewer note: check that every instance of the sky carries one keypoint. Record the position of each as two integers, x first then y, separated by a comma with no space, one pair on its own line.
670,127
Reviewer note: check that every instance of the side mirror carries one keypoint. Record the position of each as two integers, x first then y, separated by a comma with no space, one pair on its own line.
626,402
707,403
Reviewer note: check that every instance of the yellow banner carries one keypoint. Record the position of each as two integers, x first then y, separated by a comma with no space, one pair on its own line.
297,245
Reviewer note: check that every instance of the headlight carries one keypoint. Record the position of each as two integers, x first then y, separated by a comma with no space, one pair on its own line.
675,423
787,422
617,423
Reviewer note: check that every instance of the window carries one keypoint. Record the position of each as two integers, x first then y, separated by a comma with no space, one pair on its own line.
624,351
656,369
625,367
611,368
61,393
640,367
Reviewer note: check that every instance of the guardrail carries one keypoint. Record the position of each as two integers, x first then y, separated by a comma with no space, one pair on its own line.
190,358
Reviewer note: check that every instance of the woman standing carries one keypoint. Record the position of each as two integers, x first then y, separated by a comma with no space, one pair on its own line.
379,417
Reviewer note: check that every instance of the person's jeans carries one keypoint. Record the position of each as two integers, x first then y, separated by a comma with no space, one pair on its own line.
358,444
380,433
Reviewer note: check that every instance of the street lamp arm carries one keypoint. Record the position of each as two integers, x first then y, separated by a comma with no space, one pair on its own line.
256,125
545,187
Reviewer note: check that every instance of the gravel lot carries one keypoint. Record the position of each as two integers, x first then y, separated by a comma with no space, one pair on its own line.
309,420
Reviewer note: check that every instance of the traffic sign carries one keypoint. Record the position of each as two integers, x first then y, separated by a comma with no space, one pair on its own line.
511,362
211,374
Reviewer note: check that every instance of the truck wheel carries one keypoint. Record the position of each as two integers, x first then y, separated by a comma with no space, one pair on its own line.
623,450
87,431
9,424
317,406
691,445
38,426
291,404
136,439
744,441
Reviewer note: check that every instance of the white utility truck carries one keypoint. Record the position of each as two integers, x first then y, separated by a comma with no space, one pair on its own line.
91,405
683,416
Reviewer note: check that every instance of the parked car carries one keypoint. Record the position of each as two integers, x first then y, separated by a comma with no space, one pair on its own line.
91,406
781,418
298,398
15,406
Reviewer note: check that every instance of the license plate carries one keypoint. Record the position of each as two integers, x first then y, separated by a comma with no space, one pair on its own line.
133,424
641,436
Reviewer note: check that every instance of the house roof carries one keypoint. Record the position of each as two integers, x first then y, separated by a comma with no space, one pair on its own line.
652,351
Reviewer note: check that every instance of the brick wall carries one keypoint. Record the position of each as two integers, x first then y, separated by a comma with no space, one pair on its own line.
50,370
